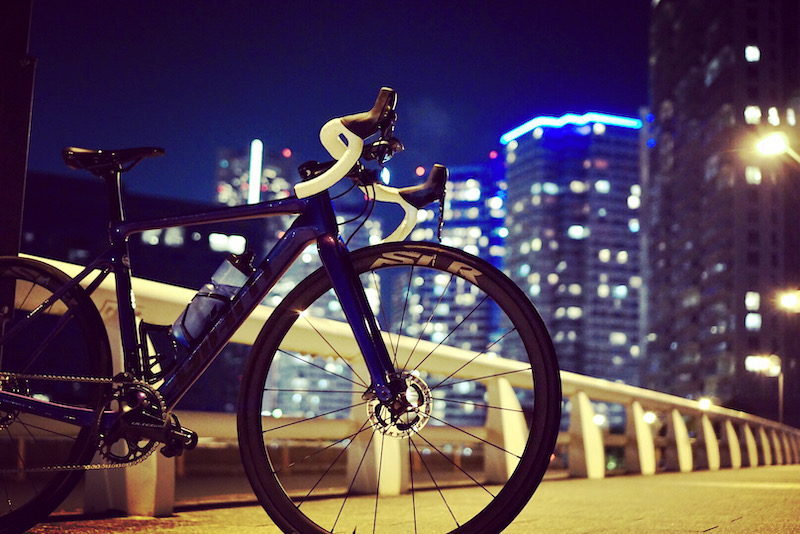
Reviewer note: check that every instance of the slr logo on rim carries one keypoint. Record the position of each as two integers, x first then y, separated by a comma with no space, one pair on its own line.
407,257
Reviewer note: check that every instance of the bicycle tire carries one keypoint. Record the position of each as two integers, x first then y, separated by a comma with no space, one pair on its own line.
306,448
68,340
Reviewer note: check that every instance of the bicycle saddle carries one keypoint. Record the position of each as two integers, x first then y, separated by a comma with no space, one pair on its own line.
367,123
100,162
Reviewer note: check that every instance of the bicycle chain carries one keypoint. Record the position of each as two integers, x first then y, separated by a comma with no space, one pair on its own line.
90,380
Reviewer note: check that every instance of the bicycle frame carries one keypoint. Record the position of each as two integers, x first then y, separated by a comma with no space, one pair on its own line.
315,223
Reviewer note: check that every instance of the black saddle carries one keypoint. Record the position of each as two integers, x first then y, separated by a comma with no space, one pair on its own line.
103,162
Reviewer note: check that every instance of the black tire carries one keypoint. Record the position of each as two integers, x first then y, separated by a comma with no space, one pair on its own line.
68,340
313,449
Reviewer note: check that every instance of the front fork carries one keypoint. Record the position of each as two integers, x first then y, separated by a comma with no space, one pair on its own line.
347,285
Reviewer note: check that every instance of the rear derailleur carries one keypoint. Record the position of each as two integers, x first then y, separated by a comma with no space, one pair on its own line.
135,419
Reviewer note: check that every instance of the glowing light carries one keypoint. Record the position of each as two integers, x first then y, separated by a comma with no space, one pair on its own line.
649,418
704,403
256,155
286,152
386,175
773,144
789,300
570,119
419,171
493,154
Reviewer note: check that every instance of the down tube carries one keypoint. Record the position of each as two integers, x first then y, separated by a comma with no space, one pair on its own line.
335,258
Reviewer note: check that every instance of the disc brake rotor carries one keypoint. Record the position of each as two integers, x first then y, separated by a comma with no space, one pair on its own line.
406,414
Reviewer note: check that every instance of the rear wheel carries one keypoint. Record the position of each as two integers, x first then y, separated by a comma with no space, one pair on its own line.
461,450
67,340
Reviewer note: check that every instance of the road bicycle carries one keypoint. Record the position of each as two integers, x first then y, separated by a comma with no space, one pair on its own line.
411,375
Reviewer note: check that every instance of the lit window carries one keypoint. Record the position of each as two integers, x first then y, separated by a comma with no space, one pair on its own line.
552,279
577,231
151,237
574,312
227,243
635,281
511,158
752,300
534,290
633,225
537,133
577,186
575,289
636,190
603,291
536,244
604,255
791,118
599,128
752,114
524,269
752,53
622,256
617,338
173,237
772,116
496,251
550,188
620,292
495,203
752,175
512,146
752,321
602,186
634,202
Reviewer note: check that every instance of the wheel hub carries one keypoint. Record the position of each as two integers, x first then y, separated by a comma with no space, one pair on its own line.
405,414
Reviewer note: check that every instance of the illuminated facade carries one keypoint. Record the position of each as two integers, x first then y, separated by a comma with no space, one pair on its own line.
721,220
573,236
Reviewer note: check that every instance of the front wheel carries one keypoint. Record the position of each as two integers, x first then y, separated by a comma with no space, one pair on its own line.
461,450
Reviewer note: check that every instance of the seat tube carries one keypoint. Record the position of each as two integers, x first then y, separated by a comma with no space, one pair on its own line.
347,285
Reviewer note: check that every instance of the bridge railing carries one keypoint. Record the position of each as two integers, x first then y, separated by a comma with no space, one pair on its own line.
660,432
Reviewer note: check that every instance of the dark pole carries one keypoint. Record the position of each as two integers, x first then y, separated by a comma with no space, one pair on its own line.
16,103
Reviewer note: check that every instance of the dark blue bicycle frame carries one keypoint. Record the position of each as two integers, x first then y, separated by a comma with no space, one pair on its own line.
316,222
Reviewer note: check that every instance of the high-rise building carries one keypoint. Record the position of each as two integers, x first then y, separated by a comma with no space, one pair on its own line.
721,220
573,236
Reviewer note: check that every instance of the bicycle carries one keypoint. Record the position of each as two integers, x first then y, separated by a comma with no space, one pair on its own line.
388,409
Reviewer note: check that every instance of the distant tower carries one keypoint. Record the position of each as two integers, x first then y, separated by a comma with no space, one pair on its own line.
722,220
573,236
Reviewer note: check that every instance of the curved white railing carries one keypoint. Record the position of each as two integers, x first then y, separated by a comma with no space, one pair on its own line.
661,432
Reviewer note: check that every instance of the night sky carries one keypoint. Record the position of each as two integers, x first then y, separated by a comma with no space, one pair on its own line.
192,76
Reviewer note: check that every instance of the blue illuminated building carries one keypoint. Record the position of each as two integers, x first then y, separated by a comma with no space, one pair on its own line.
573,236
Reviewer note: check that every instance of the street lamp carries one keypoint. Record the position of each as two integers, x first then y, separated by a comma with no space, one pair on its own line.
776,144
789,300
769,365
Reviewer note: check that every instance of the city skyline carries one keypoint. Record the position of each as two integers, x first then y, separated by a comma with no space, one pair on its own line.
194,77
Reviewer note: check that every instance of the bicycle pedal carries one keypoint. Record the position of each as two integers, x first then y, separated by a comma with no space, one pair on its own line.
179,439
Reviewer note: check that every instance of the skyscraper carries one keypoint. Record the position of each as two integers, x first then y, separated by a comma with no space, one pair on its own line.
721,220
573,236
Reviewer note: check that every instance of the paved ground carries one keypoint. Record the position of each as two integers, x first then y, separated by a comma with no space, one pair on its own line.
762,500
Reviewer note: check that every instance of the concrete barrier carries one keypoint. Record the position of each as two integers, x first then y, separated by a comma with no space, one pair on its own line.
661,432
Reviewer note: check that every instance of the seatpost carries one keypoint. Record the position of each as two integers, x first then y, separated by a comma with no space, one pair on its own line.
114,190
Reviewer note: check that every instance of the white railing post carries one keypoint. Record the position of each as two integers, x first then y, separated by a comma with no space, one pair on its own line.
752,446
730,443
147,489
640,450
776,444
766,449
678,456
587,455
711,443
506,427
